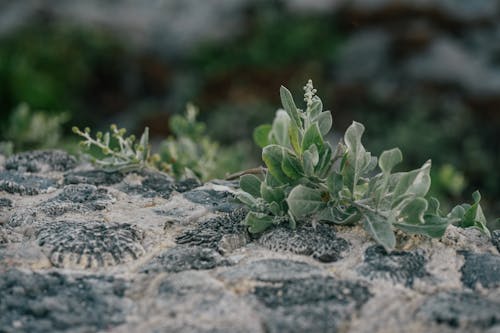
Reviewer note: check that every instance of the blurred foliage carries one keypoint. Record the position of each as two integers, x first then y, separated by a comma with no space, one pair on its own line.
27,129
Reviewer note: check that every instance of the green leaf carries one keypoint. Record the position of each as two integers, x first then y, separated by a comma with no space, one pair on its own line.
271,194
325,160
358,161
293,132
335,183
325,122
291,166
474,216
312,136
410,184
434,206
304,201
258,222
246,198
389,159
380,229
279,132
289,105
261,135
315,108
414,211
272,156
434,226
333,215
310,160
250,184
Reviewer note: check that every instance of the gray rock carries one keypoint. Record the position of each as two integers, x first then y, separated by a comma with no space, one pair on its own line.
181,258
41,161
495,239
271,270
220,201
399,266
36,303
320,242
24,184
314,304
210,233
5,203
90,244
462,311
480,268
93,177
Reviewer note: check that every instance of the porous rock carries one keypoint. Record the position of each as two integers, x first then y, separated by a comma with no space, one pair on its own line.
319,241
24,184
90,244
399,266
480,269
93,177
53,302
41,161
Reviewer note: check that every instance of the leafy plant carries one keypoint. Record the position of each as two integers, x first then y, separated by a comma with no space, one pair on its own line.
28,129
120,152
190,152
306,178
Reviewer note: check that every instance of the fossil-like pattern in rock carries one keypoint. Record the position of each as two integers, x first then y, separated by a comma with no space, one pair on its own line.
90,244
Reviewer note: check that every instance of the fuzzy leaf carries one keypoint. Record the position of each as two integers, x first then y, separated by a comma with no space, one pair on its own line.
291,166
325,160
325,122
358,161
389,159
434,226
293,132
410,184
315,108
250,184
279,132
258,222
335,183
303,201
261,135
271,194
312,136
380,229
289,105
474,216
272,156
414,211
310,160
246,198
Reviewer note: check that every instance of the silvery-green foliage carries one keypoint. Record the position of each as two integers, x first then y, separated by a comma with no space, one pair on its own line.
307,179
120,152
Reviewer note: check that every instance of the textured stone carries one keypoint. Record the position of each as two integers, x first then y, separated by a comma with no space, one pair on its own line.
221,201
90,244
93,177
24,184
5,202
314,304
495,239
181,258
319,241
398,266
209,233
36,303
480,268
461,311
41,161
271,270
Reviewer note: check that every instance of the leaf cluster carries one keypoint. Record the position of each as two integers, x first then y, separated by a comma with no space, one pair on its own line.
307,179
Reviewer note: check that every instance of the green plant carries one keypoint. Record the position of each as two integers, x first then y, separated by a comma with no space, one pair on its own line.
28,129
190,152
307,179
120,152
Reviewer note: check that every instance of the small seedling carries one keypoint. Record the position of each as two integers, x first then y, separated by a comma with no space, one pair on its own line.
308,180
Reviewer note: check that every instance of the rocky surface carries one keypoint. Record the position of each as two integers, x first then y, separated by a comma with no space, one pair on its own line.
105,252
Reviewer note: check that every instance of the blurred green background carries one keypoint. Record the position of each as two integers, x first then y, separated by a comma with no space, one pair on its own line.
423,76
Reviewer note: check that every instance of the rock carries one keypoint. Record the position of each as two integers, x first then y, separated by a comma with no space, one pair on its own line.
461,311
398,266
53,302
90,244
93,177
495,239
145,253
41,161
15,182
181,258
320,242
480,269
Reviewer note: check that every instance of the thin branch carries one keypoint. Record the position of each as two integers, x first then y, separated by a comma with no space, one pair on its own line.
254,171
